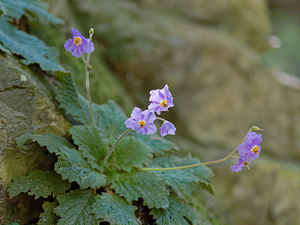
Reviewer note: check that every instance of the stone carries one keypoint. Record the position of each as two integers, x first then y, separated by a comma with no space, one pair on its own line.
25,107
267,194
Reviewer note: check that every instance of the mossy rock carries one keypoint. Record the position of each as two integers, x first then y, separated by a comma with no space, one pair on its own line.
25,106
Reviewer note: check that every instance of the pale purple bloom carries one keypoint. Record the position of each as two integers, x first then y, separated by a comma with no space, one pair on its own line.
251,145
78,44
161,100
141,121
249,149
167,128
243,161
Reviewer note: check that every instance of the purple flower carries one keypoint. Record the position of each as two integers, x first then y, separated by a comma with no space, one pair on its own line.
160,100
249,149
141,121
167,128
78,44
243,161
251,145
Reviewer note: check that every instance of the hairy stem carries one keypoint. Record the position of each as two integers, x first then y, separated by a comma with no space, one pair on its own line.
194,165
161,119
115,144
87,83
254,128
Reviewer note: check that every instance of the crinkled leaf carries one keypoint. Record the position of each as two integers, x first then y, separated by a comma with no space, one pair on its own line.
70,101
48,217
184,181
38,183
130,153
157,144
178,213
73,167
145,185
30,47
110,118
3,49
115,210
76,208
51,141
17,8
91,144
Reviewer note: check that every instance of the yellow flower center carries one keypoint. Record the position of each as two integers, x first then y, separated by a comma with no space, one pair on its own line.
77,40
245,163
255,149
164,103
142,123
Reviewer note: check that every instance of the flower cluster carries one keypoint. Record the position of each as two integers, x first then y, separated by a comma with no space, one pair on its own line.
78,44
249,149
143,121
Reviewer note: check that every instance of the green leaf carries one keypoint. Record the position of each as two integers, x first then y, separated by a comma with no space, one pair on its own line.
3,49
30,47
115,210
178,213
144,185
91,144
38,183
75,208
157,144
184,181
110,118
51,141
130,153
69,100
73,167
16,9
48,217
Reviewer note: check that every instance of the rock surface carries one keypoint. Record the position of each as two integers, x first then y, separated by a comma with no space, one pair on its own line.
269,191
25,106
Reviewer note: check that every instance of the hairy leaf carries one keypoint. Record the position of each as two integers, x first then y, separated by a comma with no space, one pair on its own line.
69,99
184,181
38,183
130,153
145,185
75,208
91,144
30,47
110,118
51,141
17,8
3,49
178,213
157,144
115,210
73,167
48,217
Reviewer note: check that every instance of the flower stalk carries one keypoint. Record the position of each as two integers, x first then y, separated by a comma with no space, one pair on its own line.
114,145
87,78
194,165
254,128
